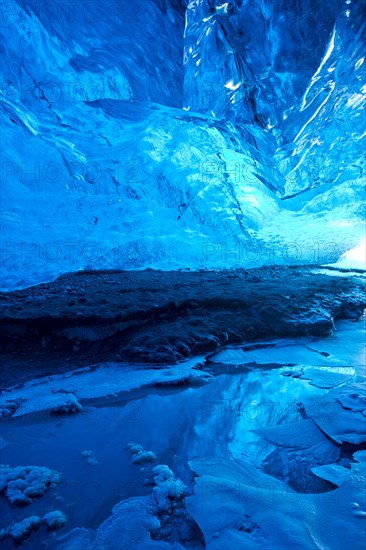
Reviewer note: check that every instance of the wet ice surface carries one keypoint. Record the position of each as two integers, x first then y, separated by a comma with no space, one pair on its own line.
271,427
98,381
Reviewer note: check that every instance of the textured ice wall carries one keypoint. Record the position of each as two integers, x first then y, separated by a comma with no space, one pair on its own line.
251,59
166,135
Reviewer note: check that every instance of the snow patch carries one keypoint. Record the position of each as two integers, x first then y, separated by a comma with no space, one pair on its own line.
22,530
54,520
168,491
66,404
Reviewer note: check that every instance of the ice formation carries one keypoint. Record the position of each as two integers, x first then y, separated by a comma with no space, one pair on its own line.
65,404
237,497
169,140
168,490
139,455
22,484
242,129
61,394
21,530
54,520
208,461
158,520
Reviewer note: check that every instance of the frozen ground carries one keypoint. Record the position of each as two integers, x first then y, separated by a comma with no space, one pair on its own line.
263,444
165,317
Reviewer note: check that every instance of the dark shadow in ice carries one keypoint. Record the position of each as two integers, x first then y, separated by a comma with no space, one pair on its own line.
300,447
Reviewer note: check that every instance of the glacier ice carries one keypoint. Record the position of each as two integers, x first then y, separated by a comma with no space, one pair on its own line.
244,59
172,134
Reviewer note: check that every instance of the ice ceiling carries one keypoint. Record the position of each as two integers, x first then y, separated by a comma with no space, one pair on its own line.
168,134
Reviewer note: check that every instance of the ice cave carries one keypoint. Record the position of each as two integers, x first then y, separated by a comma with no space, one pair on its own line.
183,271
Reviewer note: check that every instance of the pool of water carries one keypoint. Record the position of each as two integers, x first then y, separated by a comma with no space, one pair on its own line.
216,419
178,423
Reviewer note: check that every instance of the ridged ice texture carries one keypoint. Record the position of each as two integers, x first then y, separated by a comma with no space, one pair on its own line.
250,59
326,129
168,134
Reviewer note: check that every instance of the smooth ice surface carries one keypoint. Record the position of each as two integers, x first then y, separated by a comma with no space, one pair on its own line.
60,393
332,472
300,521
173,134
345,349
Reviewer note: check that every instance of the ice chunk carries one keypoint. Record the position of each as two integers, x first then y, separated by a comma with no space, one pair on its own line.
293,435
335,473
22,530
278,352
354,398
62,394
231,502
300,446
156,521
232,499
327,377
168,491
343,423
360,456
129,526
9,406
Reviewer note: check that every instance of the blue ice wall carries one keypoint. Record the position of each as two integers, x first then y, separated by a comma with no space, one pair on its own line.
168,134
251,59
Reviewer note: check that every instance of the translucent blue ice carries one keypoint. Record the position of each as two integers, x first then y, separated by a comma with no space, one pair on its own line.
168,134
